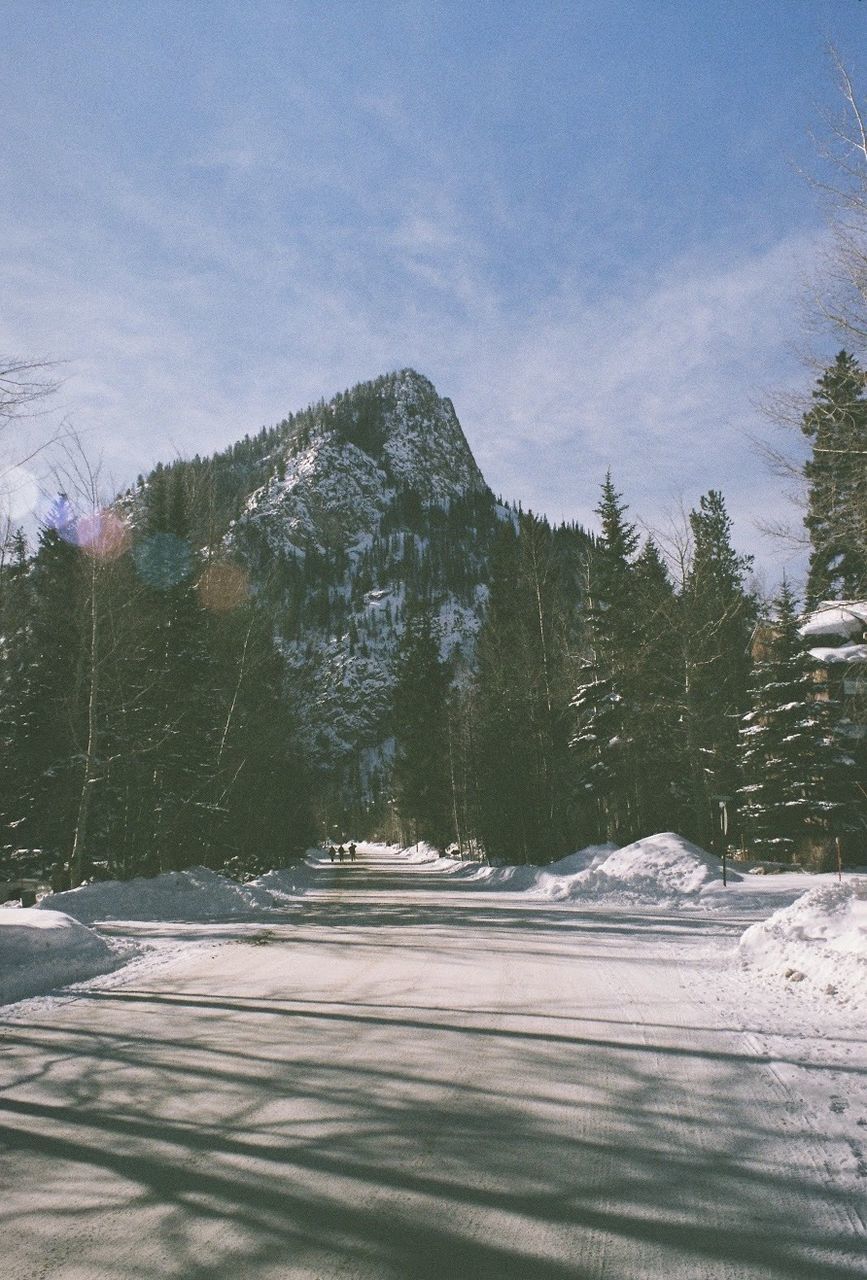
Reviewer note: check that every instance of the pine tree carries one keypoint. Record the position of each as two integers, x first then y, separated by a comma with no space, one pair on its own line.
603,704
780,740
176,716
717,620
50,732
510,809
421,772
656,731
524,676
16,600
259,789
836,474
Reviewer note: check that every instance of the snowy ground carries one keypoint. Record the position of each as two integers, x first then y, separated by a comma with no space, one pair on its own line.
405,1072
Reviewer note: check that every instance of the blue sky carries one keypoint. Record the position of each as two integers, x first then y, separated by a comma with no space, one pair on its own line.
582,220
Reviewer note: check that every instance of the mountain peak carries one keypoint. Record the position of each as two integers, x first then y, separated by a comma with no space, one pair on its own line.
376,506
410,431
347,461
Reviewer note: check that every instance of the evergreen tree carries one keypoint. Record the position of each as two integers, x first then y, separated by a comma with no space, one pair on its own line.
16,706
836,474
509,786
176,716
717,620
421,767
50,732
656,729
604,703
523,681
259,788
780,741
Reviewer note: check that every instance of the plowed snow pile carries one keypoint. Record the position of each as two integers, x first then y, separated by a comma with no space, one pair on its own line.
195,894
821,939
556,880
285,884
657,868
44,949
661,868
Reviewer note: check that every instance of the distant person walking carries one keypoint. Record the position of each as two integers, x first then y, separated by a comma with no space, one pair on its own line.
352,851
340,852
331,852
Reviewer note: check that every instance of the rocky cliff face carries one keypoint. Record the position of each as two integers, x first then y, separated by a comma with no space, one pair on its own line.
347,461
375,509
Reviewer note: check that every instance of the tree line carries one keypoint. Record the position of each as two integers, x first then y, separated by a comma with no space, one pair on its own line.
612,698
142,715
148,722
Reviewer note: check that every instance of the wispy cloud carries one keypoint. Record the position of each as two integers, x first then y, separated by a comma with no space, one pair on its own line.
657,382
299,235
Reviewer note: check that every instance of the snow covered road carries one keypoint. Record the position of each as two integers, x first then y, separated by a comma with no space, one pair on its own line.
408,1078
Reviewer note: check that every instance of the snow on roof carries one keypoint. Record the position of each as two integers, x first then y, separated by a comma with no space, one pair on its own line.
843,653
821,939
835,618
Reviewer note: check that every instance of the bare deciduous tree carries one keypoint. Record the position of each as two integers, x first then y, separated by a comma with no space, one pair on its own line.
835,303
840,294
24,384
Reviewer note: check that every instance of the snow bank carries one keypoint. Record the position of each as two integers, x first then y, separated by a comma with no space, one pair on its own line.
40,950
556,880
821,939
195,894
421,852
510,879
657,868
285,884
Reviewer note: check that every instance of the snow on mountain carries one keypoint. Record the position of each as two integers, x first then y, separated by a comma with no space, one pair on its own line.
363,448
375,508
330,495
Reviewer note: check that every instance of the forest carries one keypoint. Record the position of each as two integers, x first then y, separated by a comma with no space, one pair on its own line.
182,682
150,721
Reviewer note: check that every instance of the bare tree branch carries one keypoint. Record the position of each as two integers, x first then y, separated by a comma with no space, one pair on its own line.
24,384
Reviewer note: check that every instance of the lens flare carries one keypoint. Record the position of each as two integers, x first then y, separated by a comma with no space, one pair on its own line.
223,586
103,535
163,560
62,519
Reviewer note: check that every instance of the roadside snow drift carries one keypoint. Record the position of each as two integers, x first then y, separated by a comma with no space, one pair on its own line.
40,950
286,884
660,868
820,939
195,894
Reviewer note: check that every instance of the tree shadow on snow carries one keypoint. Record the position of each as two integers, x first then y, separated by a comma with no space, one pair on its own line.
214,1138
